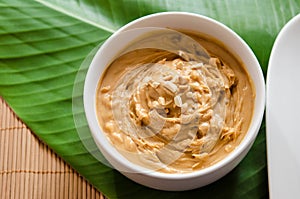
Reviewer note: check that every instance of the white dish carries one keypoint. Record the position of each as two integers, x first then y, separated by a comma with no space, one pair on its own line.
282,113
176,20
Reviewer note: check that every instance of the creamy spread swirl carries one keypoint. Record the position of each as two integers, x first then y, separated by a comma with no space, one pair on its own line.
172,114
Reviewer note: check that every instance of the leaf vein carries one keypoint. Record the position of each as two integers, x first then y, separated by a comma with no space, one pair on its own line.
74,16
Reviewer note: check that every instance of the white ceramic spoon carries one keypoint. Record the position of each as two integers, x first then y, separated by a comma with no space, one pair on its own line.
282,113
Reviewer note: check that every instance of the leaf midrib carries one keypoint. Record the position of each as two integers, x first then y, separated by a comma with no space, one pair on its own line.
64,11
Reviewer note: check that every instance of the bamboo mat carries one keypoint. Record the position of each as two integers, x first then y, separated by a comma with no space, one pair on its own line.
29,169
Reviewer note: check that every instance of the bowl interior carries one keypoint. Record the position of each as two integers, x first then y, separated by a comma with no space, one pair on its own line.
175,20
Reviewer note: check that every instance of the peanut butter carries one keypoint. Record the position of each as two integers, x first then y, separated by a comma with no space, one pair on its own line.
172,115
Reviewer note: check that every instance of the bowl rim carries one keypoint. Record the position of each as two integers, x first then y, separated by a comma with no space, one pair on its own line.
246,142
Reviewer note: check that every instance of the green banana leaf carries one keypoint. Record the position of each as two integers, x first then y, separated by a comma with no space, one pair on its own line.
44,48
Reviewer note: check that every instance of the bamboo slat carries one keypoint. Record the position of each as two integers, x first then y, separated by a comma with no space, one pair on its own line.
29,169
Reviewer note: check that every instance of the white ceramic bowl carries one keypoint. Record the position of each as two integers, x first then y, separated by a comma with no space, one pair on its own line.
187,21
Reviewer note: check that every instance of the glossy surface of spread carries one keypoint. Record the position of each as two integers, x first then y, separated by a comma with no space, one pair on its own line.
165,113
